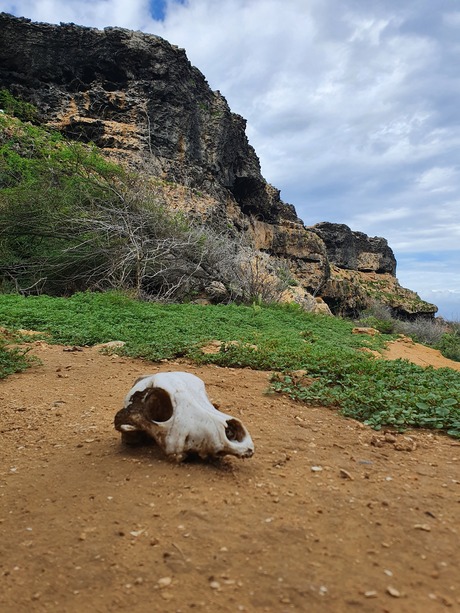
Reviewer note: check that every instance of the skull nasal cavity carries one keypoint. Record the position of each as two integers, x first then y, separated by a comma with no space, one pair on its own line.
158,405
235,431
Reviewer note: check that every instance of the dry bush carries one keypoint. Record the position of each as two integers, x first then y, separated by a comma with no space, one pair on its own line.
247,274
422,330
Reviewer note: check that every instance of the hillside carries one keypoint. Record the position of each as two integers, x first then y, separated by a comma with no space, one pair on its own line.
138,98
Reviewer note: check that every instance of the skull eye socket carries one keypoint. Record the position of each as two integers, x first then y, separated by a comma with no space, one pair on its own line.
157,405
235,431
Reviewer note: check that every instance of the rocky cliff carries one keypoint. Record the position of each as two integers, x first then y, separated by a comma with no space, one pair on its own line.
139,99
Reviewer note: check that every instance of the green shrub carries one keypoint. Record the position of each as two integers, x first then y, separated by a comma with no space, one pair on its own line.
378,316
449,344
385,326
18,108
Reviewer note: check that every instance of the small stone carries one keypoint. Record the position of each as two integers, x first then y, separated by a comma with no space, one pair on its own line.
136,532
393,592
447,602
316,469
425,527
164,581
370,594
214,585
345,474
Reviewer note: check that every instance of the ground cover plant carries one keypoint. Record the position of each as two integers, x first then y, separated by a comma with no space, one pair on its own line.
12,359
278,338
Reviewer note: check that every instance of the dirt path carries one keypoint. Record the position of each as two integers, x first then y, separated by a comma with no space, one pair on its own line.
326,517
406,349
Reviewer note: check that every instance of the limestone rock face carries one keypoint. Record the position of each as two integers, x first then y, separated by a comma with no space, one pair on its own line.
138,98
348,292
304,250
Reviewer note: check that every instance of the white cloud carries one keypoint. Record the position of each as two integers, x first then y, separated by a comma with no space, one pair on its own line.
437,179
352,106
98,13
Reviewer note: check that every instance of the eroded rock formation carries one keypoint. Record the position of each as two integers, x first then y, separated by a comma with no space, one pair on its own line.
139,99
355,250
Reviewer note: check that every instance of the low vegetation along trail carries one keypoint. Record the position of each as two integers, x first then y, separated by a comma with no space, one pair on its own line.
327,516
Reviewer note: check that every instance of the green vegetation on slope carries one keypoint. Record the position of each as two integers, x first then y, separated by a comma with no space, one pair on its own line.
18,108
279,338
72,221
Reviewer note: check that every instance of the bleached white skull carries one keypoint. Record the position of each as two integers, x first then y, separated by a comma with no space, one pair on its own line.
173,409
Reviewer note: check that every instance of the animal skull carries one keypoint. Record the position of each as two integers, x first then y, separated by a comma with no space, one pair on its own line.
173,409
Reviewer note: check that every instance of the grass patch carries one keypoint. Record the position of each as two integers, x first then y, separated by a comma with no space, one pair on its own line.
280,338
284,335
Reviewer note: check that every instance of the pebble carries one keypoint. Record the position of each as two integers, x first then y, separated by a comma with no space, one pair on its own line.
136,532
316,469
393,592
164,581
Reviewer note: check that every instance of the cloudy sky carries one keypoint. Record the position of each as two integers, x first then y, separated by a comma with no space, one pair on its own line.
353,107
